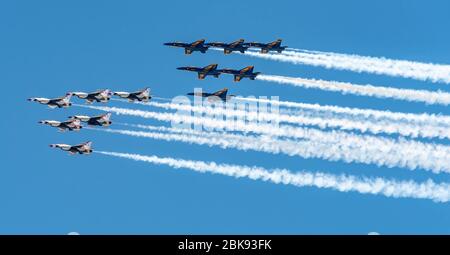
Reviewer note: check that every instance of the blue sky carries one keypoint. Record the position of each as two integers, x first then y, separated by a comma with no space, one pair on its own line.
51,47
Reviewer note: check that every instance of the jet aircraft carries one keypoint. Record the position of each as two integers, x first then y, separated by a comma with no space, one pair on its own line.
190,47
228,48
61,102
246,72
202,72
141,95
102,96
84,148
266,47
70,125
218,95
101,120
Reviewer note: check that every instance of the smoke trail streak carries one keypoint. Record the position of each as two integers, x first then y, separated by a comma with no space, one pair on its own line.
342,183
397,68
423,118
424,96
322,121
369,149
159,98
324,145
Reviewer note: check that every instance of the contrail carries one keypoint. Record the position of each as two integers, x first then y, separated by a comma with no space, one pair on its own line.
323,121
423,118
391,67
269,129
362,114
342,183
381,152
355,148
424,96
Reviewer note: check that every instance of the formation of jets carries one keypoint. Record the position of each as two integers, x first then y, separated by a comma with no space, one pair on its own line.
101,96
202,72
74,123
238,46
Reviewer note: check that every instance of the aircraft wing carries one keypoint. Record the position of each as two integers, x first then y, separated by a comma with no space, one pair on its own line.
122,94
103,117
72,123
79,146
210,67
97,117
275,43
81,95
62,100
80,117
96,93
196,43
237,43
142,93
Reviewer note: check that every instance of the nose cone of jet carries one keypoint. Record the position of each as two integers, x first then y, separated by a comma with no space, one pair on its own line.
181,68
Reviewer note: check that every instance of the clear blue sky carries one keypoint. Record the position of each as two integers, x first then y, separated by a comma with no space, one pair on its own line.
50,47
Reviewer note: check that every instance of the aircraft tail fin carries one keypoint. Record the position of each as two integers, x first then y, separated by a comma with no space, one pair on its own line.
108,116
67,97
248,69
221,93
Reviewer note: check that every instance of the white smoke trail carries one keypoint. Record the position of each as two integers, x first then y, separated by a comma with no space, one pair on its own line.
424,96
342,183
324,145
423,118
323,121
355,63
